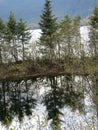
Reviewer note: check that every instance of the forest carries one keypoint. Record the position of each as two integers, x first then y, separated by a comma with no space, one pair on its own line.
58,52
59,47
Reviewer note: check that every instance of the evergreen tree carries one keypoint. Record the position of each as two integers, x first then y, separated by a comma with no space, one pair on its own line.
11,36
23,35
2,28
48,26
94,33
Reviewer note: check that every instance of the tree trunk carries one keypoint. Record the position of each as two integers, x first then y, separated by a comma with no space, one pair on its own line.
23,51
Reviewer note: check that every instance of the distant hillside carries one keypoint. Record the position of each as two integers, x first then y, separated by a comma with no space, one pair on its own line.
31,9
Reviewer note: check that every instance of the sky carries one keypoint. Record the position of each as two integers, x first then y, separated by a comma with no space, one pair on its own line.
31,9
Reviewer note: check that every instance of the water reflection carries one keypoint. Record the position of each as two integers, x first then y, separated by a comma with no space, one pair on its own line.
18,99
63,91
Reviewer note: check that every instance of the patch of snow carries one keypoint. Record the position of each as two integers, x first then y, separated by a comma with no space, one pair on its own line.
35,35
84,31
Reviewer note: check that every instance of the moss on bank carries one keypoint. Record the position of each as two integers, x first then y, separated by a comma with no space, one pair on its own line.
29,69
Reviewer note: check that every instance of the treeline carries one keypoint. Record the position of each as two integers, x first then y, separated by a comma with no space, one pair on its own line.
63,40
14,35
58,42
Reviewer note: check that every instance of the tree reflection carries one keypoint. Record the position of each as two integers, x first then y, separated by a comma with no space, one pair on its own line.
73,93
53,102
16,99
63,92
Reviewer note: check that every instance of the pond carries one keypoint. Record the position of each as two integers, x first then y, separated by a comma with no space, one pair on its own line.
51,103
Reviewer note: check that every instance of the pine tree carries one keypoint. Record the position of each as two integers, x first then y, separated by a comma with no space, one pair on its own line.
11,36
48,26
2,28
23,35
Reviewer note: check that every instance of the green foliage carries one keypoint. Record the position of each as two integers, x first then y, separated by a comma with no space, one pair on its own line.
94,33
73,97
10,36
11,24
14,35
48,26
16,105
94,18
63,41
53,102
23,35
94,54
70,43
48,21
2,29
10,33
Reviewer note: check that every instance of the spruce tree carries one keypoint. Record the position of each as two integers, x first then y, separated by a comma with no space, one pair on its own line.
10,36
2,28
23,35
48,26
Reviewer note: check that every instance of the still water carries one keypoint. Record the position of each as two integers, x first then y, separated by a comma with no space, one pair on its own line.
49,103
